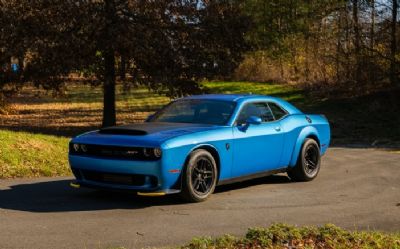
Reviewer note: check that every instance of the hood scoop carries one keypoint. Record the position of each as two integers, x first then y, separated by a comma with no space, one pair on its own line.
122,131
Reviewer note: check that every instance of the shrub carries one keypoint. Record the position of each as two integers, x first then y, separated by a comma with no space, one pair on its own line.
283,236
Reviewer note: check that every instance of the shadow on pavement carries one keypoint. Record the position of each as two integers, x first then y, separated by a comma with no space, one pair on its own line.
273,179
58,196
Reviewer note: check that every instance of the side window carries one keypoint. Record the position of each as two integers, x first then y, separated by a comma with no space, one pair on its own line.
259,109
277,111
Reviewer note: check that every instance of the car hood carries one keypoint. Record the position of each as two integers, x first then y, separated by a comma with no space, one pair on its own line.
147,134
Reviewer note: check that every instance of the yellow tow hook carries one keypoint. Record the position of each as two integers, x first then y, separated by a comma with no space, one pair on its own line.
151,194
74,185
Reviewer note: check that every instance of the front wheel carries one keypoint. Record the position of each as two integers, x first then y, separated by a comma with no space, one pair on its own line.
200,176
308,163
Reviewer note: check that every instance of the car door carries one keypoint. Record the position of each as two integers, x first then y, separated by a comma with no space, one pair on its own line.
257,147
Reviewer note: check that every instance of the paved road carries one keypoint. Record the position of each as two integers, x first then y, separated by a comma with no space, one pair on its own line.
356,189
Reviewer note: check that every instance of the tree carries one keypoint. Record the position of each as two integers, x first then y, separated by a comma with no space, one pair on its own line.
331,44
167,44
393,45
357,40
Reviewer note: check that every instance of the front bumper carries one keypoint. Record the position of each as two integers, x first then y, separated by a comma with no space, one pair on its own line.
138,176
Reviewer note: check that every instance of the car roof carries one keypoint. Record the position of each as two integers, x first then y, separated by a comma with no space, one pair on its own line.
226,97
242,98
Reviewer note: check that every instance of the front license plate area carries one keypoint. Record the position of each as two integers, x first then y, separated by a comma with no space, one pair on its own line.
121,179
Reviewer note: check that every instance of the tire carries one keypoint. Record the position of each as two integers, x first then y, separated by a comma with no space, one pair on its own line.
308,163
199,177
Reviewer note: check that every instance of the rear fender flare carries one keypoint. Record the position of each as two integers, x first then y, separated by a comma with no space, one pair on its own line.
305,132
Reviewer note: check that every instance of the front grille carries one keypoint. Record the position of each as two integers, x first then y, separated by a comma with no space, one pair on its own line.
117,152
121,179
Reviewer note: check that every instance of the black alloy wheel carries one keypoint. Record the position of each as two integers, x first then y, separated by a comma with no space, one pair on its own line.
308,163
200,176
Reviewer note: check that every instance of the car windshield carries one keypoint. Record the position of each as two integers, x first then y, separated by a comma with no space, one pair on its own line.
196,111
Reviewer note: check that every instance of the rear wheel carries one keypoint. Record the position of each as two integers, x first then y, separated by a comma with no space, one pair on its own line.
200,176
308,162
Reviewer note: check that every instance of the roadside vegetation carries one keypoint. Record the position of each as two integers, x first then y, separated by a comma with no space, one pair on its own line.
282,236
25,154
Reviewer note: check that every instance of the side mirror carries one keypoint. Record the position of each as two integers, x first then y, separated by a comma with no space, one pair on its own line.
254,120
149,117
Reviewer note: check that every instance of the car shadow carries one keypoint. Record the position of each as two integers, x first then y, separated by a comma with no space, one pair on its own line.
58,196
273,179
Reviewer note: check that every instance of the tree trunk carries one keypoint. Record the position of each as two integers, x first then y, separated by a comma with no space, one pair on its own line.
122,68
372,42
306,58
21,63
109,115
372,30
356,40
393,45
338,47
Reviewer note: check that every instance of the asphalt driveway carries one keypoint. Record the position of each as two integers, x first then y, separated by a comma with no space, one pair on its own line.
356,189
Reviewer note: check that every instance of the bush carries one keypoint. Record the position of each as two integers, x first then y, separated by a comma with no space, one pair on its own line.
287,236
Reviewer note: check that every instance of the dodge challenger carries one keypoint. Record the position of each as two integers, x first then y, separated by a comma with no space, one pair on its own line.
195,143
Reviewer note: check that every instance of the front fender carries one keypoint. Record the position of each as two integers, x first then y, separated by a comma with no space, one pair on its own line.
305,132
208,147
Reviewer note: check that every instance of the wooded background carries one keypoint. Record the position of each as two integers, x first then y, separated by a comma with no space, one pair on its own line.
332,47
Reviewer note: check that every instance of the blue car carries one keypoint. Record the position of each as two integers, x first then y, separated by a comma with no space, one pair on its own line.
195,143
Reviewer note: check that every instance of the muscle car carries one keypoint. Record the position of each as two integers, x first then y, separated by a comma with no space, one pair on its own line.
195,143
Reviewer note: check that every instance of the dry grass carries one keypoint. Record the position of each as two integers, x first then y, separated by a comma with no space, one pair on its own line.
79,110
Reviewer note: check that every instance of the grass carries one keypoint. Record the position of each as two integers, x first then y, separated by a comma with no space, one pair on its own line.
279,236
30,155
279,90
371,120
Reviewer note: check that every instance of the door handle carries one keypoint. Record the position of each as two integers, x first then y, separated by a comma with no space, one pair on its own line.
278,128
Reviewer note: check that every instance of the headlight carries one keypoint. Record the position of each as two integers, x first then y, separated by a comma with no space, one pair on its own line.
152,152
76,147
147,152
84,148
157,152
